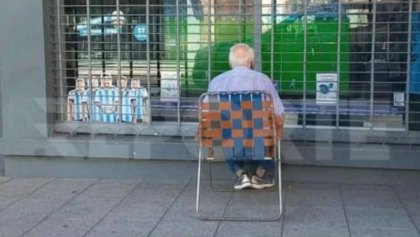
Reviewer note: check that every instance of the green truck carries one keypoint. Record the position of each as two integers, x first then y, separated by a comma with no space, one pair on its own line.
282,53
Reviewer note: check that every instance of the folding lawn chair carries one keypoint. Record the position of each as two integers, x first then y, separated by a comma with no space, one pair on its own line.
240,125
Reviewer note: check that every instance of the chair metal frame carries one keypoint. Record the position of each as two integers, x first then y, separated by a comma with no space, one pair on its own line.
276,154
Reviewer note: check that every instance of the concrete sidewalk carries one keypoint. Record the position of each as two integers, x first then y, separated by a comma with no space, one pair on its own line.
318,201
1,165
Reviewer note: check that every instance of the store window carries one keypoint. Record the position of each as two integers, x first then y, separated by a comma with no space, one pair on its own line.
336,64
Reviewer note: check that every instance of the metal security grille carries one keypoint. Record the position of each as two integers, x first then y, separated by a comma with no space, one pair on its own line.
342,65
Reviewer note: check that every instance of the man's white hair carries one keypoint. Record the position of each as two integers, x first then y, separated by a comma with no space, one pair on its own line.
240,60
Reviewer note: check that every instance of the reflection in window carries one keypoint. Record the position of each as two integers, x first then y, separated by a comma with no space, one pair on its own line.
107,99
102,103
77,102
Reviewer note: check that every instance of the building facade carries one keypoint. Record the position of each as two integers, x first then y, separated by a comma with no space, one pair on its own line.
119,80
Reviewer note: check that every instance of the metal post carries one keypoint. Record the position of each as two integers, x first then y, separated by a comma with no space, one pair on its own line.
209,41
76,53
148,78
257,34
337,99
305,39
372,61
89,41
178,68
407,89
242,21
103,37
60,63
273,25
129,37
119,27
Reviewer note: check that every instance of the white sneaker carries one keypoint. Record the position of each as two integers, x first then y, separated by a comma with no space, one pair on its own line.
267,181
242,182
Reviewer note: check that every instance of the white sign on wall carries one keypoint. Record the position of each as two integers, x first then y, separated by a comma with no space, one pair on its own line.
326,88
399,99
169,86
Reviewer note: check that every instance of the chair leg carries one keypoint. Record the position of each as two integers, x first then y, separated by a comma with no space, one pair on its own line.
197,204
279,178
233,218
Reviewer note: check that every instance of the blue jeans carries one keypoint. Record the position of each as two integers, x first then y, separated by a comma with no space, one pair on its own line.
236,165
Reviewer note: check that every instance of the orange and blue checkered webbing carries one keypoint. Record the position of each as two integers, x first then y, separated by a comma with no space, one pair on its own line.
242,123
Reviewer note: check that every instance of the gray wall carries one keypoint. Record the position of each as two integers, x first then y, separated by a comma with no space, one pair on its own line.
22,70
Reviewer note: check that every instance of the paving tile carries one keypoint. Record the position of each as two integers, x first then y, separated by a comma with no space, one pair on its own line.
156,190
78,209
313,174
414,213
62,188
163,183
383,232
31,206
249,229
185,228
151,199
122,227
62,227
4,179
254,204
410,199
25,214
21,187
207,189
361,176
312,195
362,217
314,231
108,190
211,204
411,202
315,217
314,221
383,187
404,180
240,204
140,209
157,195
14,226
185,208
5,202
377,197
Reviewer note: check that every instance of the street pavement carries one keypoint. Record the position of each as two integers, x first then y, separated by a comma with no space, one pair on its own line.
318,201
